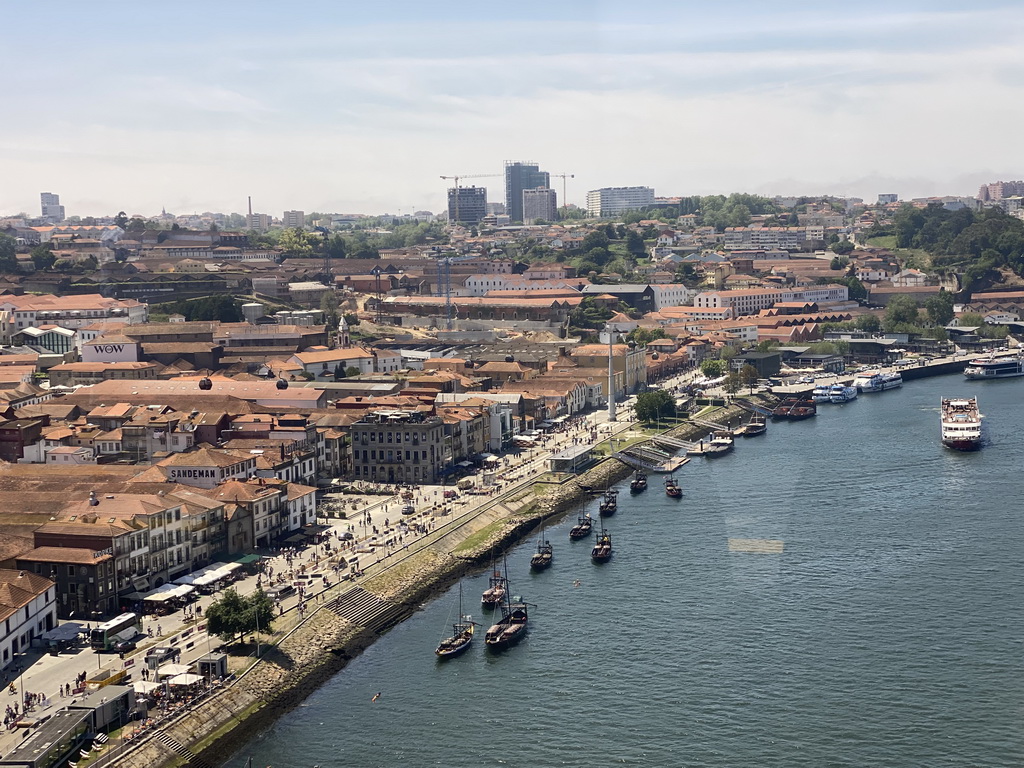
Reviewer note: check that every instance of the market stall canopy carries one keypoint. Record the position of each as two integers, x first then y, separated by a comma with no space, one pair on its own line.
185,679
170,670
144,686
168,592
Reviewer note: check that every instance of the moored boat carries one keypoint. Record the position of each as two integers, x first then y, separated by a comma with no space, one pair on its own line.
639,482
756,426
583,527
892,380
462,635
544,555
602,551
511,628
839,393
994,367
794,408
821,394
961,424
497,589
870,381
672,490
609,503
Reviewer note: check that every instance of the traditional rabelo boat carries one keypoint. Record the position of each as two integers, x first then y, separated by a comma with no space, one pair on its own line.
497,589
511,628
544,555
462,635
639,482
609,503
602,551
583,527
756,426
671,488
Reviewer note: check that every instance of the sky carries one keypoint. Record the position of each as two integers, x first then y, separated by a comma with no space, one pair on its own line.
358,107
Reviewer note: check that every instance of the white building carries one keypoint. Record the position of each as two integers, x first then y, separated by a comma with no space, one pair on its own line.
28,609
261,222
672,295
611,201
294,219
74,311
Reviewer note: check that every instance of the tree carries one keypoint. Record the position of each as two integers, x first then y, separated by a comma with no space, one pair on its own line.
940,307
868,323
121,220
351,319
646,335
42,256
8,254
901,310
339,372
635,244
971,320
712,369
727,353
733,382
329,306
233,615
596,239
136,225
748,375
651,405
352,371
843,247
590,314
296,244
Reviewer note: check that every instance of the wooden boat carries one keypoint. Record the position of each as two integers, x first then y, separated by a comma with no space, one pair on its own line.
795,408
602,551
462,635
544,555
497,590
756,426
671,488
583,527
609,503
511,628
639,482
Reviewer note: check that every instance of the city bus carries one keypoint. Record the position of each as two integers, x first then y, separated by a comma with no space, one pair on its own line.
123,627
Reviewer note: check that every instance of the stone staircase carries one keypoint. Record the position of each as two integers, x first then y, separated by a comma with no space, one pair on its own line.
365,609
180,749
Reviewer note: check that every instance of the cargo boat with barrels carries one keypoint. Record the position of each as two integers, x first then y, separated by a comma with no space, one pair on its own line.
609,503
602,551
584,525
544,555
510,628
497,589
795,408
639,482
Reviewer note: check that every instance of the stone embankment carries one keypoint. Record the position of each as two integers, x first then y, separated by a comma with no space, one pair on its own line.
322,645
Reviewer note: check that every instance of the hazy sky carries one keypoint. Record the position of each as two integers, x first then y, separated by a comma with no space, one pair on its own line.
360,106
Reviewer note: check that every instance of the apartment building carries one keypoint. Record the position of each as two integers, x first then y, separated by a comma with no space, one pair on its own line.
75,311
612,201
397,446
28,609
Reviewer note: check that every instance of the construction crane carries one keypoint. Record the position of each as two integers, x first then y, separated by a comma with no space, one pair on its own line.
444,281
468,176
563,177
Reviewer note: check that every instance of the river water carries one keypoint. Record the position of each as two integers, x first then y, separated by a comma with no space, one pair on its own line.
888,632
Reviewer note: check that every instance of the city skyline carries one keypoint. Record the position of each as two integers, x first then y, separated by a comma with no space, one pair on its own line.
349,113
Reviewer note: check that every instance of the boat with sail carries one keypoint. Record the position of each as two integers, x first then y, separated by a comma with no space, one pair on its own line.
639,482
584,525
961,423
461,637
672,490
602,551
544,555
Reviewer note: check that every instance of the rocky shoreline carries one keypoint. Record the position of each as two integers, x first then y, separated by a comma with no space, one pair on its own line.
325,643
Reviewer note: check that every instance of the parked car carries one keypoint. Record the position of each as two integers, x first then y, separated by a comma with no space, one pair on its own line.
125,646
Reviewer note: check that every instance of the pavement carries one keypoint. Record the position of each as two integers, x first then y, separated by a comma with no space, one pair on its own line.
376,526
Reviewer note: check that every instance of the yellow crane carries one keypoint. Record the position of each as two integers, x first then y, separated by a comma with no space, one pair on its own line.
467,176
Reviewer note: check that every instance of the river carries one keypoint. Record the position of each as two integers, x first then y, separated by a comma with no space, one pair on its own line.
888,632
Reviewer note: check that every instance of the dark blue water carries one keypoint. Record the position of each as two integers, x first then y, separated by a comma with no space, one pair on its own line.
889,631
